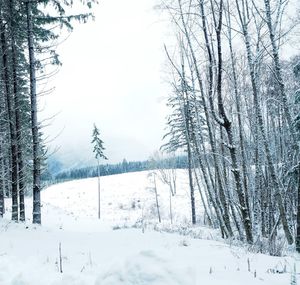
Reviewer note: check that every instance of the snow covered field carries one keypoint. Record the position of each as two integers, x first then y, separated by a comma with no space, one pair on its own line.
111,252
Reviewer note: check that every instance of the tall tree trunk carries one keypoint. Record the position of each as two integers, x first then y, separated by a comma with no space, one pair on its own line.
99,189
17,104
206,209
2,182
208,120
13,138
227,125
186,114
192,191
259,192
170,206
34,120
277,71
156,198
273,176
238,109
298,212
188,132
3,129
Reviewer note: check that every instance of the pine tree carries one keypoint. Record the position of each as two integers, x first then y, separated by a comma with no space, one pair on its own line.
98,151
26,49
38,32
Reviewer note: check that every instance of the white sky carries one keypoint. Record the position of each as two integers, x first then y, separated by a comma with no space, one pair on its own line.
111,75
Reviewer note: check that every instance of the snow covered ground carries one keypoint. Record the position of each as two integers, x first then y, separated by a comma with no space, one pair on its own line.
111,252
125,198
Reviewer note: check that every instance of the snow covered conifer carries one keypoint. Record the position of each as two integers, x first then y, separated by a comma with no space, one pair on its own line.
98,144
98,150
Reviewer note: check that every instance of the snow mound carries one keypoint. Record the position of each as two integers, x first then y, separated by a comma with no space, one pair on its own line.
145,268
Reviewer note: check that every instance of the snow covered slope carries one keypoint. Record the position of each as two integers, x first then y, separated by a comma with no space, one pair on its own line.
125,198
103,253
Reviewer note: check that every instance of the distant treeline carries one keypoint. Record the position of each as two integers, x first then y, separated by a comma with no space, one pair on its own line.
111,169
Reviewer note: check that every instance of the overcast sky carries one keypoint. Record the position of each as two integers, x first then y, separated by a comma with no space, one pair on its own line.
111,75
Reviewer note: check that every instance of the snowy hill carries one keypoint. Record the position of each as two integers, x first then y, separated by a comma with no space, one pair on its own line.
125,198
111,252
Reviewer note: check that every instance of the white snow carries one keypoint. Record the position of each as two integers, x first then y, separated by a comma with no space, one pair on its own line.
104,253
125,198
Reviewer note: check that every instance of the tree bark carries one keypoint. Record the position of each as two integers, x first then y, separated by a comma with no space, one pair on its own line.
17,104
298,212
212,142
34,119
13,138
99,189
2,183
273,176
156,198
278,72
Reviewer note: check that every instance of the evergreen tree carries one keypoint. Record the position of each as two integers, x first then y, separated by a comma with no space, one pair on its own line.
27,32
98,144
98,151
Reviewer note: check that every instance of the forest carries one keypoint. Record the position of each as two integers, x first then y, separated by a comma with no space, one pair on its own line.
51,175
235,105
232,132
29,36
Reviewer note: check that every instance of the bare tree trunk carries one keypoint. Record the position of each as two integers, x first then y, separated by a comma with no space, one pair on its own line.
273,176
192,191
258,191
34,120
186,114
298,213
212,142
173,180
198,140
214,200
205,168
227,124
278,72
17,105
239,112
99,189
2,183
206,209
156,198
170,206
13,138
